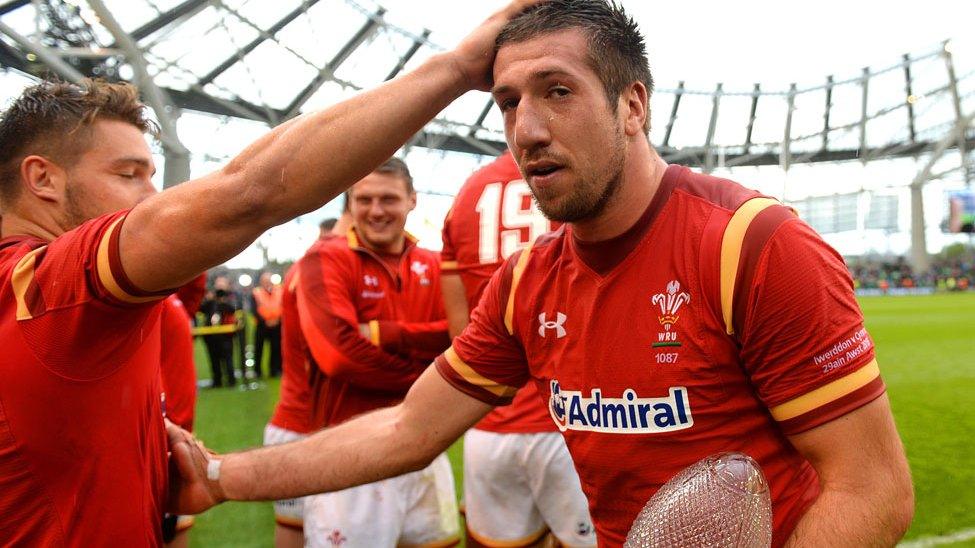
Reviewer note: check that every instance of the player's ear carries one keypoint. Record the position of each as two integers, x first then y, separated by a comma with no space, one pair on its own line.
412,201
635,106
43,178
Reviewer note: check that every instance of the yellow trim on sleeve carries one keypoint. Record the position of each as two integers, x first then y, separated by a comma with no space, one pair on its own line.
104,268
734,236
23,274
374,332
509,310
474,377
449,265
826,394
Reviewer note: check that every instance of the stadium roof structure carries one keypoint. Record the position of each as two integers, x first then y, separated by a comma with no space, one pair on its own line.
269,61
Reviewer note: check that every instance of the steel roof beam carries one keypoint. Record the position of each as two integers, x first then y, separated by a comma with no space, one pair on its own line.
12,5
46,55
327,72
417,43
252,45
187,8
156,97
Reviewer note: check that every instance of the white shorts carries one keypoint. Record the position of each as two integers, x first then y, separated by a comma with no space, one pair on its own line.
519,486
290,512
415,509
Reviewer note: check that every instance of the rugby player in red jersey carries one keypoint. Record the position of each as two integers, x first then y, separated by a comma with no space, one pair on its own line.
519,480
372,317
676,315
90,250
291,419
179,381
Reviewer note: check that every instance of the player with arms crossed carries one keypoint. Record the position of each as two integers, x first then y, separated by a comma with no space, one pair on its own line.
89,250
675,316
519,480
371,315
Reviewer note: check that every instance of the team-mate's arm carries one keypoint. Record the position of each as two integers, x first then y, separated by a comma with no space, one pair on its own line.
377,445
814,365
455,303
418,339
297,167
867,498
328,322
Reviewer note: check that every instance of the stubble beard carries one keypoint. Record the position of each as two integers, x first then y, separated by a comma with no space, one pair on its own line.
75,213
588,199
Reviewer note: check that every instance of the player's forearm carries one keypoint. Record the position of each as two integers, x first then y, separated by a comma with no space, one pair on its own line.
303,165
855,516
377,445
426,338
295,168
372,447
350,358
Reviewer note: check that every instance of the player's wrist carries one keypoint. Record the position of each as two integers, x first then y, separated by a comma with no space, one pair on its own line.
452,71
216,479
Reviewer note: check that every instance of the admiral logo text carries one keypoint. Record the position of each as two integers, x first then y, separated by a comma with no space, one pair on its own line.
630,414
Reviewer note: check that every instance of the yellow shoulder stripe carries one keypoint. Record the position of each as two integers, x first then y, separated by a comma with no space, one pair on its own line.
475,378
104,267
23,274
734,236
374,332
826,394
509,310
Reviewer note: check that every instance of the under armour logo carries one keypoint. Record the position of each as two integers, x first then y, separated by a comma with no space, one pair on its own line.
371,280
557,325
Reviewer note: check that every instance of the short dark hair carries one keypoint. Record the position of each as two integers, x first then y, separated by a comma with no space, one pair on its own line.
328,224
395,166
617,50
54,119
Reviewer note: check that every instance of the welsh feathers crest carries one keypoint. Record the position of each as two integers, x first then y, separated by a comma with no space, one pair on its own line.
670,303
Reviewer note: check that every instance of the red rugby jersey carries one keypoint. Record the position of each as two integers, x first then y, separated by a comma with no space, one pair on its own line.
626,340
293,410
343,284
82,441
493,216
178,367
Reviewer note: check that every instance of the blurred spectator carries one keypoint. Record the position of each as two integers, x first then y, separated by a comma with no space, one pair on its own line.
219,312
267,313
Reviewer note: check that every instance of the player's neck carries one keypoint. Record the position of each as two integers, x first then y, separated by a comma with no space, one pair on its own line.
392,249
642,173
14,224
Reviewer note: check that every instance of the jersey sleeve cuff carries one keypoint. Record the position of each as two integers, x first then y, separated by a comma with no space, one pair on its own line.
111,275
449,267
830,401
464,378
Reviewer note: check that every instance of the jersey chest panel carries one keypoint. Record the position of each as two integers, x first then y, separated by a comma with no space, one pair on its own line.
639,352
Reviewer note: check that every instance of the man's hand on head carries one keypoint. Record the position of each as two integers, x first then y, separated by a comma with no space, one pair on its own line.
474,56
192,487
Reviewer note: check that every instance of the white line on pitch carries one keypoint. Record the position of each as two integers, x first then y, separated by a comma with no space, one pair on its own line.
925,542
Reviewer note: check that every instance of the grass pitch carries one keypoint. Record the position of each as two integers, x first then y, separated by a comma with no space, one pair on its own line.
926,349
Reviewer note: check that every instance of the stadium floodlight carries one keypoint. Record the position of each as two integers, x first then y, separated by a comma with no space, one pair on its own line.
275,279
245,280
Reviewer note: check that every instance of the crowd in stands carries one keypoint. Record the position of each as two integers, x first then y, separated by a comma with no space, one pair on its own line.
951,270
